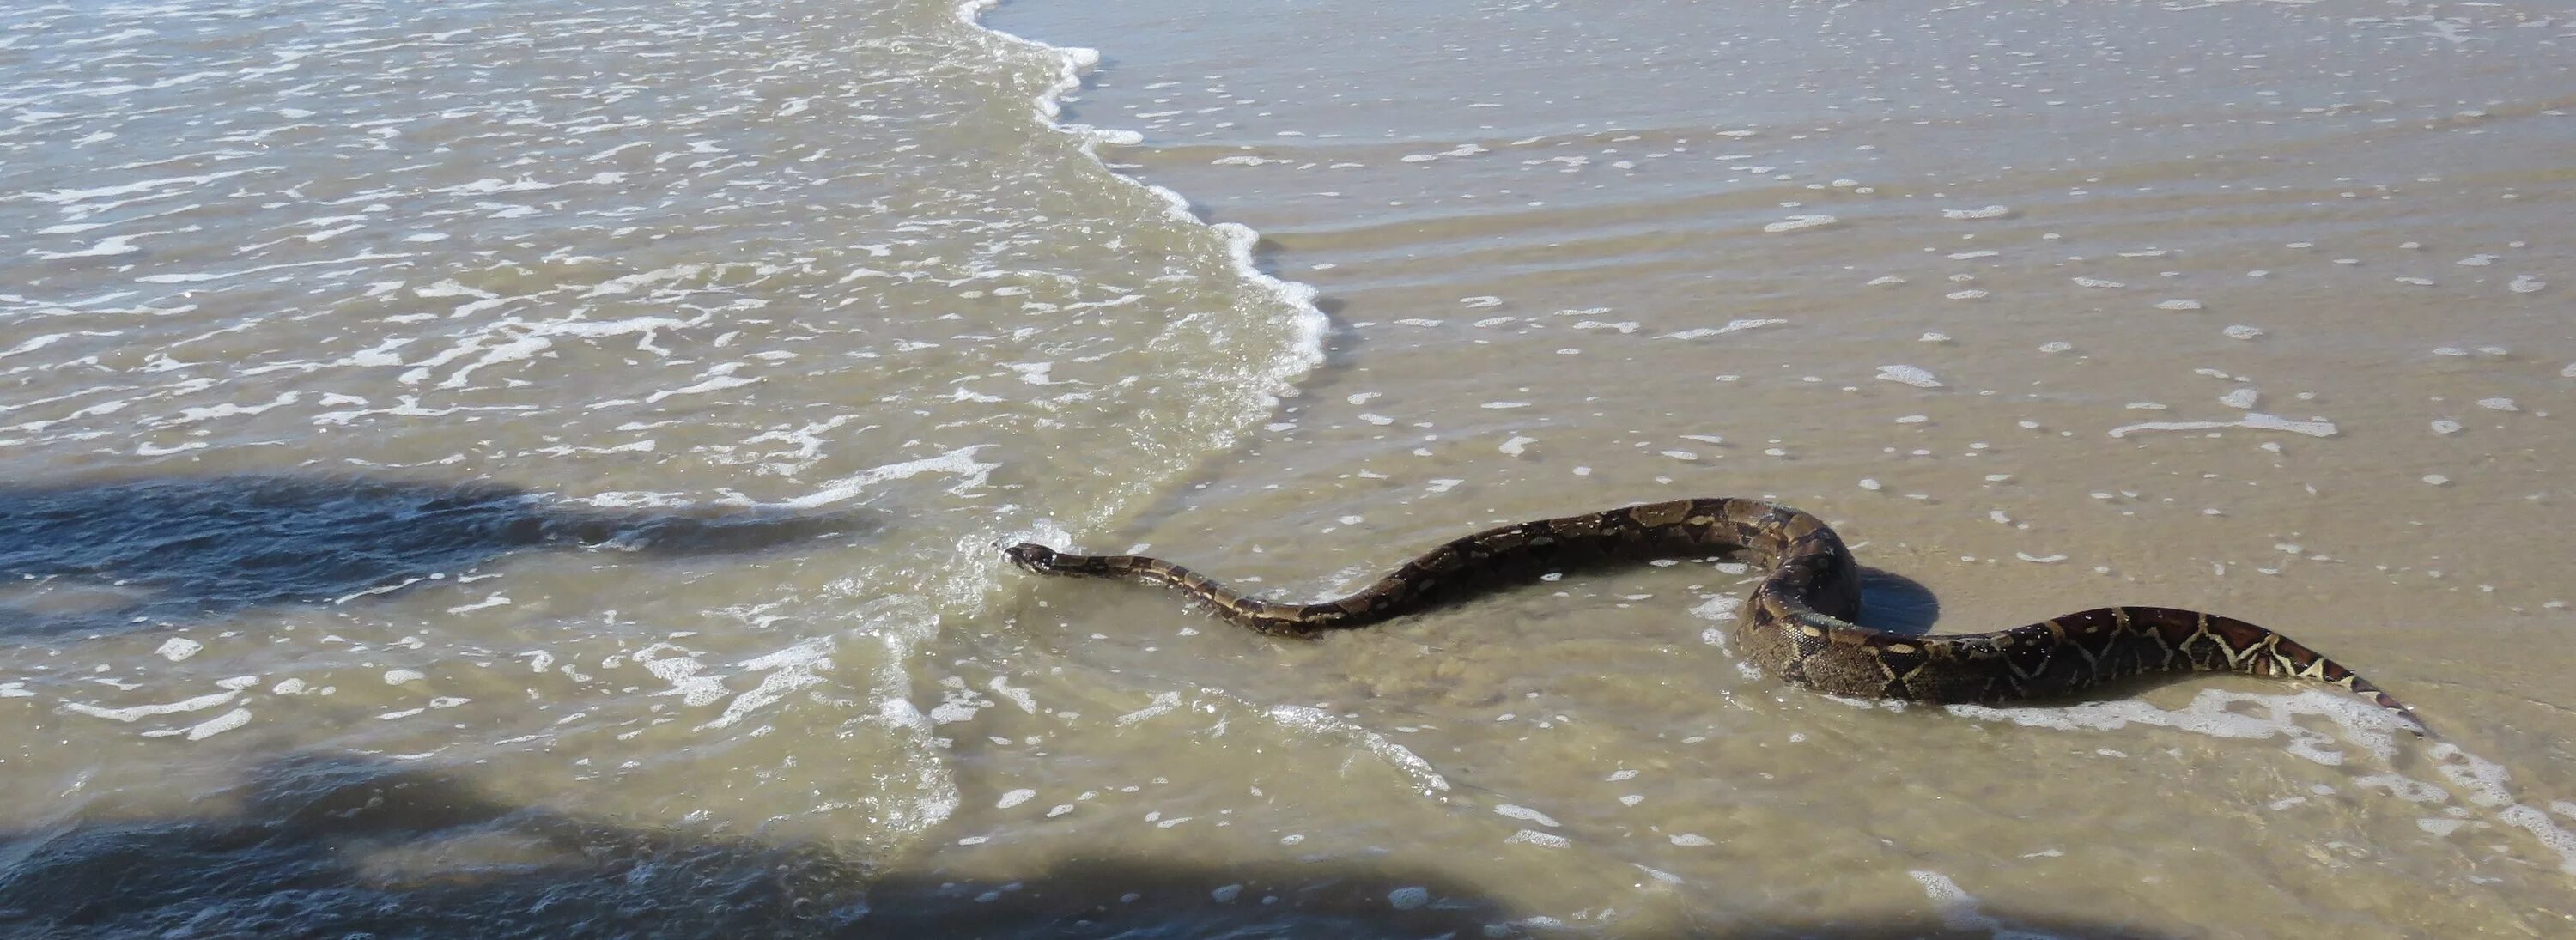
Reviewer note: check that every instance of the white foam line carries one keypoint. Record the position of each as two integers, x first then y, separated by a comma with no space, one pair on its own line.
960,462
1306,350
1958,907
61,197
2486,784
522,339
2365,725
2479,782
219,724
34,344
902,624
1318,721
1267,383
633,282
1732,326
200,703
2253,421
788,670
1163,704
108,247
199,276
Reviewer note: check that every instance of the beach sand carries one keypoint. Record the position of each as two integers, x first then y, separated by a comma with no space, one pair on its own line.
538,469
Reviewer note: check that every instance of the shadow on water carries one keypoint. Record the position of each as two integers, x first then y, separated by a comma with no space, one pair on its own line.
1341,339
1896,603
107,556
336,846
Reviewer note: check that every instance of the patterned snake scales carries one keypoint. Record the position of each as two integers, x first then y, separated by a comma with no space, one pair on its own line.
1798,623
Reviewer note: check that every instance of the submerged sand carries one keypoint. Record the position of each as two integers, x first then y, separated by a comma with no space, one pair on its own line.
536,468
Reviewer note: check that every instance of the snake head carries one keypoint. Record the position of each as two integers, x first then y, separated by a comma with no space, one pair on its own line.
1031,556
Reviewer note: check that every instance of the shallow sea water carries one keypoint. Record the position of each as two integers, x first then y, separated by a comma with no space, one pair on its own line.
527,469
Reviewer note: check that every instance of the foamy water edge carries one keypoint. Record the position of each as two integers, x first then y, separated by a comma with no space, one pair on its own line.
1307,350
904,630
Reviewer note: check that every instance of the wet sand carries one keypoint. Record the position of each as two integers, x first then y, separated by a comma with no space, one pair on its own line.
592,532
2007,295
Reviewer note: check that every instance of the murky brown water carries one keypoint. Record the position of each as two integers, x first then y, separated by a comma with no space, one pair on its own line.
619,560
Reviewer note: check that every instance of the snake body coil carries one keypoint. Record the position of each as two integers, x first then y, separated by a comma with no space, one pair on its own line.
1798,624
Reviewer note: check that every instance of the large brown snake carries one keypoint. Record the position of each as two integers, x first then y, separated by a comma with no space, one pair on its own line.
1798,623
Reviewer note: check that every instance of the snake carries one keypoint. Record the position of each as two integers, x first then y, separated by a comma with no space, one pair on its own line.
1798,623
